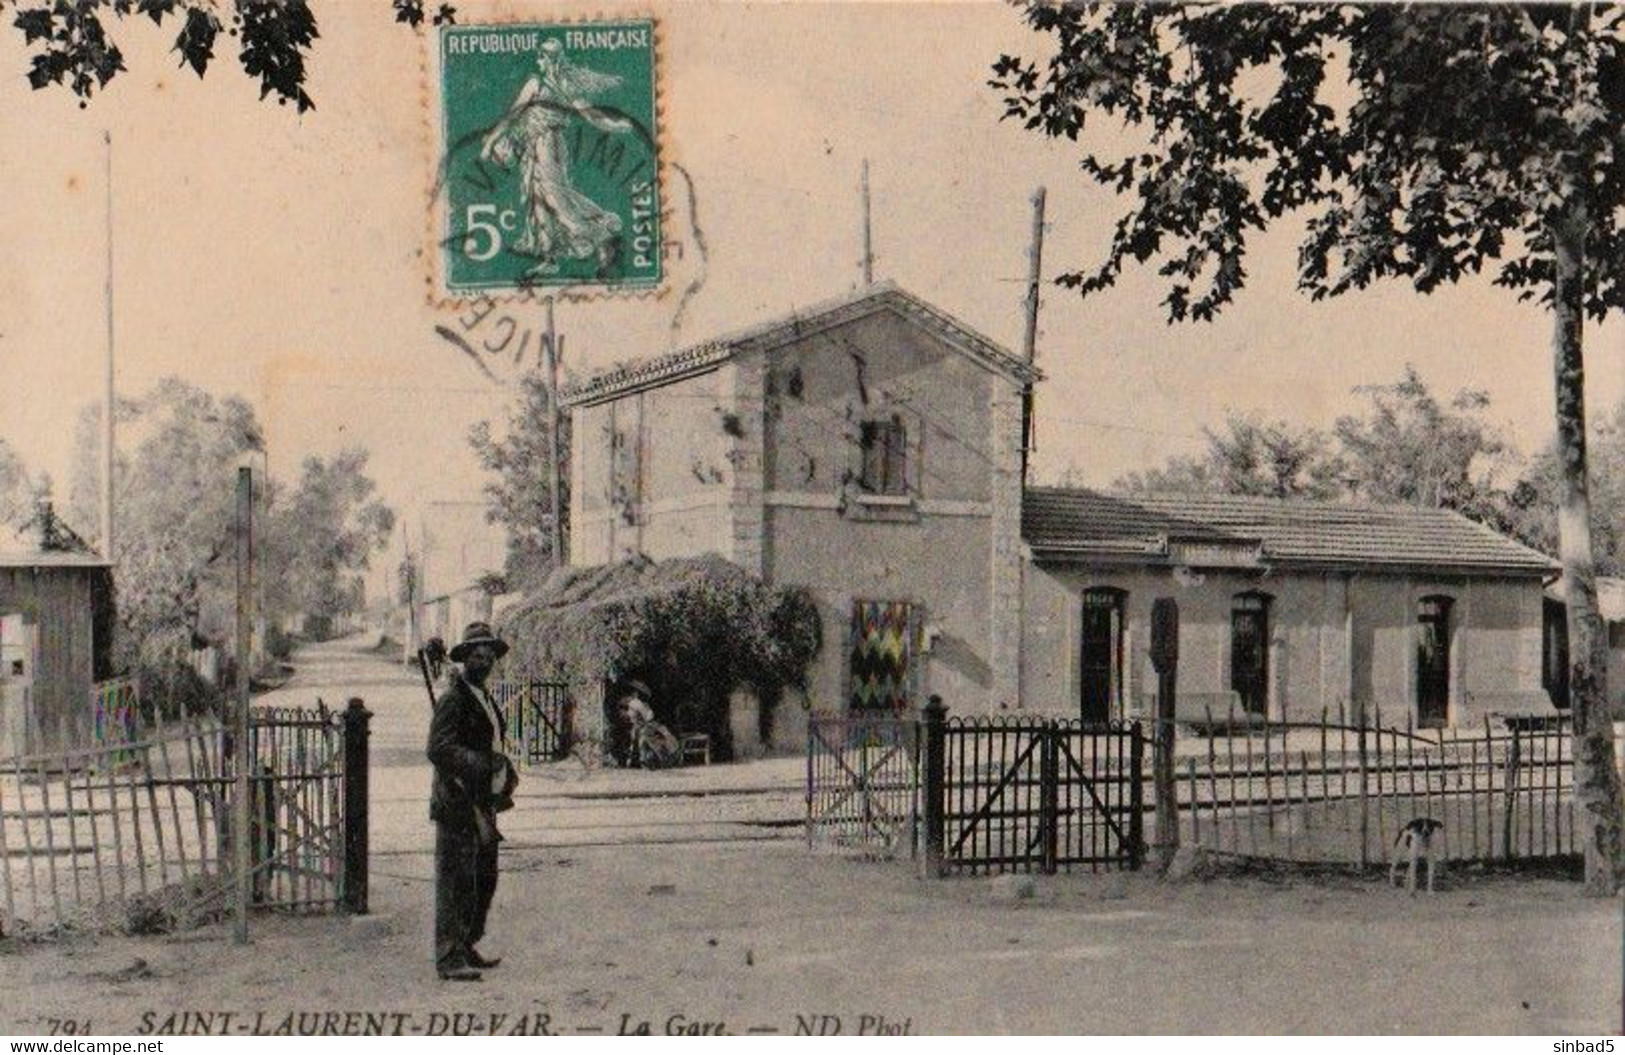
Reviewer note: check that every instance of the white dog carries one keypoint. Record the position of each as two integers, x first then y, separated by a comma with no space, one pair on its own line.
1415,843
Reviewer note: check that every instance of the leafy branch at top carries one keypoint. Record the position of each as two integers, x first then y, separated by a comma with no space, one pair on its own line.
71,46
1422,141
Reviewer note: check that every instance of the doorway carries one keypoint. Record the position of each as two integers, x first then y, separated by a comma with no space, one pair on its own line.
1100,659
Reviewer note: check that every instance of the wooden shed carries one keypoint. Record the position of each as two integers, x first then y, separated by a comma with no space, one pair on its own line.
56,622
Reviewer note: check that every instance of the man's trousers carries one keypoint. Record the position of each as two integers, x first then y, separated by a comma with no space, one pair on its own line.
465,874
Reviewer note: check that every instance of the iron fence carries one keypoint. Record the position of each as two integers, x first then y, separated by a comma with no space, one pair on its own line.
1029,794
863,782
539,719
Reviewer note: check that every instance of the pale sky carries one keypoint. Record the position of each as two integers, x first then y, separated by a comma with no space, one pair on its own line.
278,256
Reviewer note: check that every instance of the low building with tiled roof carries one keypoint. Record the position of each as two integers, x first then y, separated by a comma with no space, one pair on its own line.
1287,606
871,449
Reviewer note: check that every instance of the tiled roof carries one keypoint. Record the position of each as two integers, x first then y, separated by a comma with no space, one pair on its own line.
1058,522
883,296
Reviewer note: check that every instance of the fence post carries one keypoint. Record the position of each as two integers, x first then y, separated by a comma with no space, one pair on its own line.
1049,795
1165,659
1365,801
1510,793
1136,798
353,894
936,780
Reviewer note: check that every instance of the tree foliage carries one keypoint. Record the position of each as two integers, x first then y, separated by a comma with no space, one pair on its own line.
1250,456
321,537
71,46
15,488
1533,503
695,629
175,493
520,490
1424,142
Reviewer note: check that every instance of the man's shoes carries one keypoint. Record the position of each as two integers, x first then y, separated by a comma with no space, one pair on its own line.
476,960
459,974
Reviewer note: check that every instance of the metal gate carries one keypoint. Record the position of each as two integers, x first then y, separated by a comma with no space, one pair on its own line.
1025,794
863,782
539,718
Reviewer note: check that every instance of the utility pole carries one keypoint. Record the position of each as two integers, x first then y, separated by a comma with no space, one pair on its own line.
1029,344
868,245
243,753
554,351
107,389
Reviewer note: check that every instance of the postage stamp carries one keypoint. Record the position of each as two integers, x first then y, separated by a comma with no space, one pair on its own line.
550,176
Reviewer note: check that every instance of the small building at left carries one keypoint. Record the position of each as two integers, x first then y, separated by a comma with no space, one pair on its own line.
56,636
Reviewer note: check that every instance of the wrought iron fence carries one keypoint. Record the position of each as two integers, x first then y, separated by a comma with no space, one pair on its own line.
137,836
540,720
1030,794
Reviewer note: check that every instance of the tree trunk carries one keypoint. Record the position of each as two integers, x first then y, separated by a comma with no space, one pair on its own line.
1597,804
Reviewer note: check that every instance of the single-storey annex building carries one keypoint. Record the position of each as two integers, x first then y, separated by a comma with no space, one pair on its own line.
872,449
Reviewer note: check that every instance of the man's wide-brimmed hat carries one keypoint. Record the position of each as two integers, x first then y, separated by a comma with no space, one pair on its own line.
478,634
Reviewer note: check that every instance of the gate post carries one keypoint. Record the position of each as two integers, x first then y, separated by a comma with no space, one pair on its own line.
1049,795
353,890
1165,659
1136,797
936,780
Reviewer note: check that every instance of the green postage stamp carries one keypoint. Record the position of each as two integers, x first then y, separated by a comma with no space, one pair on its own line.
550,172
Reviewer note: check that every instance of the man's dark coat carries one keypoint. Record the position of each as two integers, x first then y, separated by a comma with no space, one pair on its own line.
462,749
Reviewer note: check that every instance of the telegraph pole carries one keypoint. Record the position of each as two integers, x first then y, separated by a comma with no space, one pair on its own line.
552,348
868,245
107,389
1029,344
243,753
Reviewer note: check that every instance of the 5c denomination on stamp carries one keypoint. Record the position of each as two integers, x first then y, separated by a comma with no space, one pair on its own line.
550,176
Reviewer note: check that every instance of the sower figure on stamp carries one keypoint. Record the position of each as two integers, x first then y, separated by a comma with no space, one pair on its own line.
473,781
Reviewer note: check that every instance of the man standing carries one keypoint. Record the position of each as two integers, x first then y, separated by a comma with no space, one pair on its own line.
470,772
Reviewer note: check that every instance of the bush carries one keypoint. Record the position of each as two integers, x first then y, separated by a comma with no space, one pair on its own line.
694,629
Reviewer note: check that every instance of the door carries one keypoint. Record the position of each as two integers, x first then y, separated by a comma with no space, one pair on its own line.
1100,654
1250,652
1433,662
16,683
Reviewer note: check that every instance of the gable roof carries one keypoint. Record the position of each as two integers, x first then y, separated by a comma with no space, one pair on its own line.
882,296
1062,523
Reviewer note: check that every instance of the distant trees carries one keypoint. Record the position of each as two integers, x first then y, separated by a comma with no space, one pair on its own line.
321,536
174,493
15,488
1408,447
1250,456
520,488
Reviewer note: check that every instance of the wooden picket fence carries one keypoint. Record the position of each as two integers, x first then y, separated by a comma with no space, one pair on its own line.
1336,791
136,835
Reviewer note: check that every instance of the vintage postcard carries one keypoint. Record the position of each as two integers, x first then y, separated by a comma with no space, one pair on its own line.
536,518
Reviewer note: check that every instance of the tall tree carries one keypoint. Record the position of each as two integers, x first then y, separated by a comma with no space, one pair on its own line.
1423,142
15,489
520,491
173,493
1410,448
1535,499
72,47
1250,456
324,533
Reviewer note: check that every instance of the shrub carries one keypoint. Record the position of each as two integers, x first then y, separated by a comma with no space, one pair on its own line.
695,629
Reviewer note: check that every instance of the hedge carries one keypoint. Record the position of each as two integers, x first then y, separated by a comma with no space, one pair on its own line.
694,629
